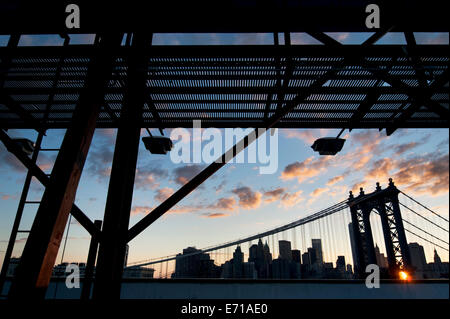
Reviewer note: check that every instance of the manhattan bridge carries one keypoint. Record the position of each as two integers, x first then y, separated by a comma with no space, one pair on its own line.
349,230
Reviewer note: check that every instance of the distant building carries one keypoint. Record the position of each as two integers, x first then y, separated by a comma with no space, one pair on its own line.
285,250
418,259
305,259
237,268
437,259
238,263
249,271
340,263
138,272
349,269
281,268
227,270
328,265
295,269
312,253
317,245
260,255
296,256
436,269
192,263
267,254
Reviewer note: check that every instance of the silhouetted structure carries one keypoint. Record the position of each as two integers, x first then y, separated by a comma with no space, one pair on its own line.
192,264
237,268
385,203
260,255
285,250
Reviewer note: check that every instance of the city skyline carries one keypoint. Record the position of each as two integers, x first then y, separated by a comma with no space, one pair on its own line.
261,263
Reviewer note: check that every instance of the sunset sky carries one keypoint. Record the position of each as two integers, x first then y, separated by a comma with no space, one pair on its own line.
238,200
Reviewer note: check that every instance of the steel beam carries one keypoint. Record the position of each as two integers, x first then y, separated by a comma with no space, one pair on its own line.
18,218
108,278
287,74
45,180
337,122
90,264
419,94
269,100
5,98
39,254
416,104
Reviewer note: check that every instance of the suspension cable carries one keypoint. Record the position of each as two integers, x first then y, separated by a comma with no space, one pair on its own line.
424,217
404,220
430,210
409,231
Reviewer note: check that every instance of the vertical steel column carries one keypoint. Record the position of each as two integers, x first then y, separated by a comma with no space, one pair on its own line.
13,42
111,255
39,255
386,232
18,218
387,236
399,225
370,248
360,263
90,264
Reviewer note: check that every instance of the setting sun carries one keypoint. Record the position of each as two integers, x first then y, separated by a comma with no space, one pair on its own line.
403,275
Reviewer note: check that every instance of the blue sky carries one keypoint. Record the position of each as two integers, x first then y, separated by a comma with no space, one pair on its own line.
238,201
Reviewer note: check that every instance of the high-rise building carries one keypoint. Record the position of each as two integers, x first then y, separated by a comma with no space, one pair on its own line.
253,253
249,270
281,268
340,263
285,250
349,269
261,257
227,269
317,245
417,253
353,246
328,265
267,253
237,268
238,261
296,256
138,272
194,264
437,269
305,259
437,259
312,253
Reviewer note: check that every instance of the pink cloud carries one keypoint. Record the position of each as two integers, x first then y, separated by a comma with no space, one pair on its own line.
214,215
304,170
248,199
163,193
